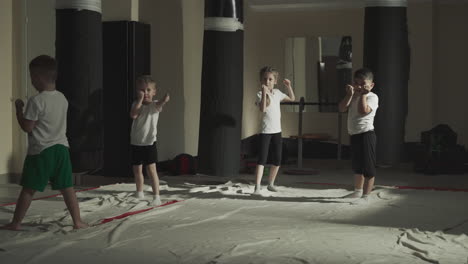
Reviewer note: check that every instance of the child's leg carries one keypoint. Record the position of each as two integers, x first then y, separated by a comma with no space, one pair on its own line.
271,180
358,185
277,151
358,182
138,157
72,204
139,180
273,173
22,205
369,160
153,174
368,164
369,185
356,161
264,143
259,173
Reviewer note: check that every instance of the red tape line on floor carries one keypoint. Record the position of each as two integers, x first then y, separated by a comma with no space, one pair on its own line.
110,219
431,188
399,187
51,196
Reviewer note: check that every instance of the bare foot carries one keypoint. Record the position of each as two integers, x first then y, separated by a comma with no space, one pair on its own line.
11,226
80,225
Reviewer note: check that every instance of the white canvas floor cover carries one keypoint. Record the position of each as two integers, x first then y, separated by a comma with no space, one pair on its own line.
220,222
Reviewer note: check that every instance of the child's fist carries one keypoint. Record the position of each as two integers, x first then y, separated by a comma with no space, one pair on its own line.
365,89
19,104
287,82
166,98
360,90
349,89
140,94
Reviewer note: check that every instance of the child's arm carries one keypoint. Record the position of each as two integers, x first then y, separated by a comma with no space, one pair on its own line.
135,111
344,104
363,107
159,105
263,102
291,97
25,124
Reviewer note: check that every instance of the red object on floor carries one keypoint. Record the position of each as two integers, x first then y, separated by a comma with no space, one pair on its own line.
107,220
432,188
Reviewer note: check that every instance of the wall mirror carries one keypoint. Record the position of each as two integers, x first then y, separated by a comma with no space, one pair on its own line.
319,68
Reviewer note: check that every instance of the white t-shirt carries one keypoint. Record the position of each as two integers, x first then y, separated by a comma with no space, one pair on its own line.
271,120
358,123
49,110
145,126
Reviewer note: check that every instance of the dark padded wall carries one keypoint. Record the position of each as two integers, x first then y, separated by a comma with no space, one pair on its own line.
79,57
126,56
221,94
386,53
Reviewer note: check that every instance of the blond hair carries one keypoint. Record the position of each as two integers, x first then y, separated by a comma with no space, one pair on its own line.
268,69
145,79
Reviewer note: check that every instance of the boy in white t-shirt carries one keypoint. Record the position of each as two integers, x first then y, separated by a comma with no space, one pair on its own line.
268,100
362,105
48,158
145,115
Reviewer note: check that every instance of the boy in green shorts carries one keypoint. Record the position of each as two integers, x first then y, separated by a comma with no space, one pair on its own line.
48,159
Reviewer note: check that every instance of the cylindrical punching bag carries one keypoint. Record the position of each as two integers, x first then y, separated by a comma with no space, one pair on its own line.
78,50
222,89
344,69
386,53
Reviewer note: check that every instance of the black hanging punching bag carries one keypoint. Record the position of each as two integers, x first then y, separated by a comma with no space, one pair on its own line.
386,53
78,50
344,68
222,89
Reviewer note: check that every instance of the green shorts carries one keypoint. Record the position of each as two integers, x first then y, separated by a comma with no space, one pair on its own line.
51,165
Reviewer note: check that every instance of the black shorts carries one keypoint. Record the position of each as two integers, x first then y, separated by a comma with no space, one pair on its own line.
144,154
363,153
277,144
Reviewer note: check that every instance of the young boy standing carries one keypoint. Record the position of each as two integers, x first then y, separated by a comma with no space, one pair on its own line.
48,158
362,105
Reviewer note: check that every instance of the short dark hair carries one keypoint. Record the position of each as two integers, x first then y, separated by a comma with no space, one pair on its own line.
364,73
44,65
268,69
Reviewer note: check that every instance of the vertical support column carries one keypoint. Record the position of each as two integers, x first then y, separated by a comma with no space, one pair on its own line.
300,140
222,89
79,57
386,53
